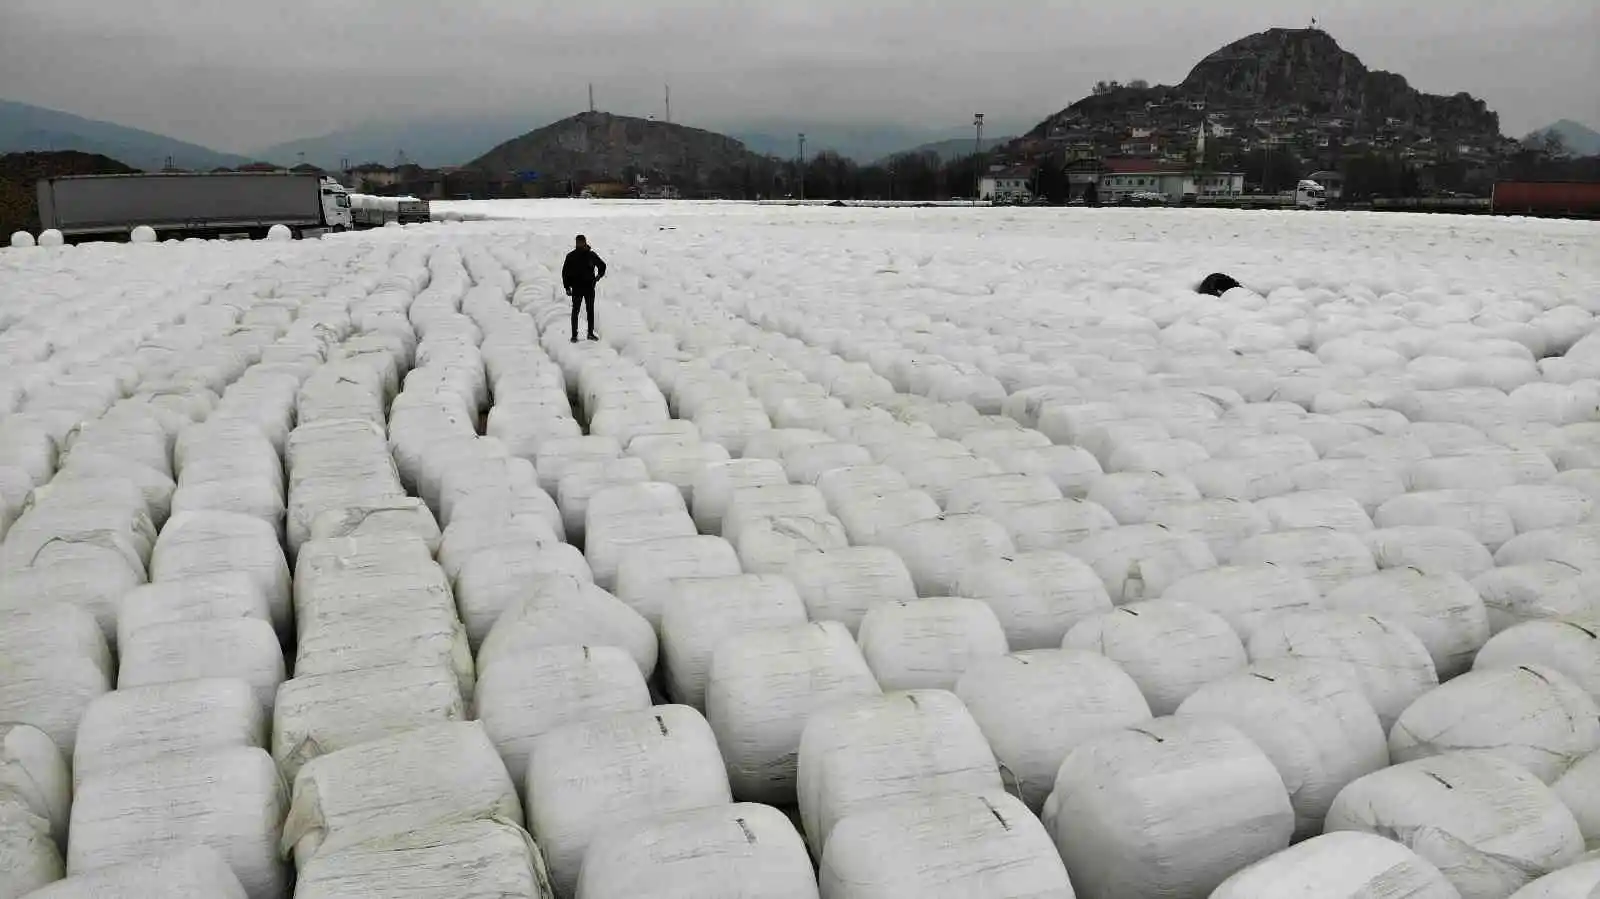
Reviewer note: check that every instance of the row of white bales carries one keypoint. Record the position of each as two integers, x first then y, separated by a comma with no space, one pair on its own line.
819,532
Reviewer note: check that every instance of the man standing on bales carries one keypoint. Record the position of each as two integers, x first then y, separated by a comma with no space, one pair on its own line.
579,274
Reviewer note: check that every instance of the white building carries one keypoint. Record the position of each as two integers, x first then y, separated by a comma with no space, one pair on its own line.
1126,177
1013,184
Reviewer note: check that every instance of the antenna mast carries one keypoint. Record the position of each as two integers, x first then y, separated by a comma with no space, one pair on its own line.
591,96
669,104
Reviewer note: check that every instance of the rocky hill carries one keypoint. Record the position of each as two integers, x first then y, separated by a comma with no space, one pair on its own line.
599,146
19,205
1293,77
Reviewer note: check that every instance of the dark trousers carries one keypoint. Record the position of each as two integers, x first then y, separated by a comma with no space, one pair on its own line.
582,296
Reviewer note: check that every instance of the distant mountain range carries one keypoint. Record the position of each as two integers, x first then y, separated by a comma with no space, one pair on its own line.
431,143
952,149
25,128
1578,138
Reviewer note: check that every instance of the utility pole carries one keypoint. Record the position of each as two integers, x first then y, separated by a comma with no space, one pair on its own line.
977,161
591,96
802,165
669,104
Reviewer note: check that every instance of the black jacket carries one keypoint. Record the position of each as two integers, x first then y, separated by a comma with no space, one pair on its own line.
582,269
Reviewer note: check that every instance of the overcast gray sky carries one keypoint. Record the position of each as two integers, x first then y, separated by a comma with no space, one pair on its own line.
239,74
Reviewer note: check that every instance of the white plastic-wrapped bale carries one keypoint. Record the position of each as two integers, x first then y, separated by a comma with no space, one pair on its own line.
1315,509
983,494
1576,547
231,800
1481,468
770,544
145,724
716,485
567,611
1391,663
495,579
1476,512
1311,720
1073,469
1537,507
200,598
1037,596
927,644
1370,482
396,516
938,550
522,498
699,615
486,476
584,480
1576,881
1432,550
530,693
57,663
1443,610
1052,525
1570,647
192,872
33,770
1131,497
742,849
1222,523
29,858
1328,558
1139,562
470,536
242,648
867,517
771,444
843,584
763,688
468,859
318,714
1124,831
1035,707
1344,865
556,457
807,463
601,776
1246,595
1531,715
1579,789
648,570
749,506
1488,825
1239,479
386,788
840,485
1169,649
900,747
1516,594
944,847
624,516
156,487
194,544
681,464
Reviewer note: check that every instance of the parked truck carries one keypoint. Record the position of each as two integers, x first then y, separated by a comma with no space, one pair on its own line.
234,204
1567,199
1310,195
368,211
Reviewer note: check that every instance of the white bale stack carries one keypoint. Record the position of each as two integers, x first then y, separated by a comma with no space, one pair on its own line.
947,846
716,485
1576,881
601,776
648,570
900,747
1568,647
497,578
1131,497
385,788
867,517
1531,715
1431,550
57,664
1222,523
230,800
469,858
701,614
1391,664
1169,649
318,714
1328,558
475,534
746,849
238,648
197,544
1579,789
194,872
1443,610
1125,832
1035,707
1488,825
34,772
1037,596
146,724
526,694
1247,595
1476,512
1539,591
1344,865
927,644
567,611
1311,720
763,688
584,480
938,550
843,584
29,856
623,516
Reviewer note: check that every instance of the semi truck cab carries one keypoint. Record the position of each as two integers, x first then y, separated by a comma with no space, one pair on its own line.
336,214
1310,195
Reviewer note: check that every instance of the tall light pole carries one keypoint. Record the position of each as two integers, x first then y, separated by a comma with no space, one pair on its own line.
977,162
802,165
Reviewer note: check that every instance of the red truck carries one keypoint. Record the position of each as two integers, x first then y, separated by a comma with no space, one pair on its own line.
1569,199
